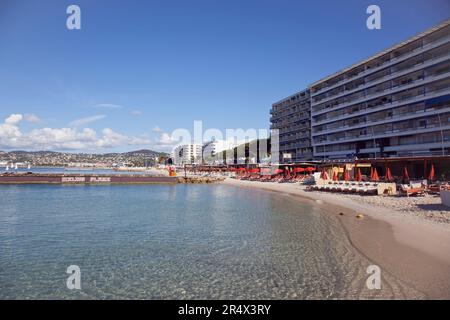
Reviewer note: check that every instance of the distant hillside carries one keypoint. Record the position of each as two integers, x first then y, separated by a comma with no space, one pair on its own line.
135,158
42,152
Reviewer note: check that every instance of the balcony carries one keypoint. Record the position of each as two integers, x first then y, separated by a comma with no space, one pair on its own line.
396,117
386,134
382,93
415,52
394,75
385,106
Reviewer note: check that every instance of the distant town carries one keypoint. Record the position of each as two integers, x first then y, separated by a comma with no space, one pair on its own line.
138,158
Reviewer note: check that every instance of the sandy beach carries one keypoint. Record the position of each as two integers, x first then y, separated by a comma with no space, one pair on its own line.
409,238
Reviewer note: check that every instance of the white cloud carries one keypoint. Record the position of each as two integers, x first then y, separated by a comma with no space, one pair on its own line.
11,137
84,121
13,119
165,141
31,117
136,113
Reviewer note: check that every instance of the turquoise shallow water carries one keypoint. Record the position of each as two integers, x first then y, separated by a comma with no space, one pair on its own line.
171,241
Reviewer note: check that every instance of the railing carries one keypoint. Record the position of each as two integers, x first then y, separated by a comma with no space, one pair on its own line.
404,115
392,61
384,106
380,94
376,135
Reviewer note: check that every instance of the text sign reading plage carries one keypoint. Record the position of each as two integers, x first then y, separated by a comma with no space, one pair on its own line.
100,179
73,179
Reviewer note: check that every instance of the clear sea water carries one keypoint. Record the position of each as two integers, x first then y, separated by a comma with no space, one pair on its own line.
172,242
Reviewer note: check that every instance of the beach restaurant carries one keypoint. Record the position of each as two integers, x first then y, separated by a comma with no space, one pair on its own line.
393,169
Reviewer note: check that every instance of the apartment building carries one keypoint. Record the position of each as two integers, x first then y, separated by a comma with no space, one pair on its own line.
396,103
212,148
291,116
187,154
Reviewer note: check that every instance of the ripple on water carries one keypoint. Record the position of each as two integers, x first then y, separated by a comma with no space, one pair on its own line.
175,242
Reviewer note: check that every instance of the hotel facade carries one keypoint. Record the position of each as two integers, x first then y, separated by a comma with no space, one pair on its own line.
396,103
292,118
187,154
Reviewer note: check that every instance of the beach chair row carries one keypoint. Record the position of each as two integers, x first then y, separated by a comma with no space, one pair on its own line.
369,188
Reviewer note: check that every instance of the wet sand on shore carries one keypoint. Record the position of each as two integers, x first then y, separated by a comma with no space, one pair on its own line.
413,250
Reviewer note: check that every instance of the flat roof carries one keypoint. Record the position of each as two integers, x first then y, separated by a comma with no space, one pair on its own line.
305,91
379,54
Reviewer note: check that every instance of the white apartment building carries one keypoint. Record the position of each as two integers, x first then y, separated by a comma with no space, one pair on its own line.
211,149
187,154
396,103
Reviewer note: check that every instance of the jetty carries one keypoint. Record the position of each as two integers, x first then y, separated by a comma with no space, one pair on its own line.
96,179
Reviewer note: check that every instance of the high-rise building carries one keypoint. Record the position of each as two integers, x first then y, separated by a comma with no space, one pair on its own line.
396,103
187,154
291,116
211,150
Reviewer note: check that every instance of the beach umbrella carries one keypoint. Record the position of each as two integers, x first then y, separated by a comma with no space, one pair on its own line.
358,175
375,176
346,175
324,175
288,173
335,176
388,174
405,174
431,175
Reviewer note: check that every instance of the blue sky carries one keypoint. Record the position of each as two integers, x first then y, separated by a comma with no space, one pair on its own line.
136,65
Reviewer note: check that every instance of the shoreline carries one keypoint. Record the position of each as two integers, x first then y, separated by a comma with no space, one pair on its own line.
412,249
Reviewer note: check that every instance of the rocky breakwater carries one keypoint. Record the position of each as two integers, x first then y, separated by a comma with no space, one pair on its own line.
199,179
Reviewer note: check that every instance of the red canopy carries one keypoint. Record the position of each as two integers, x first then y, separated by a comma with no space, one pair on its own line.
388,174
374,176
346,175
358,175
278,171
335,176
310,169
405,174
431,175
299,169
324,175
